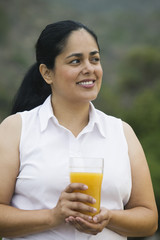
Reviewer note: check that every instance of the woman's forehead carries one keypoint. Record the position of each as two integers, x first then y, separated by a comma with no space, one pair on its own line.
80,40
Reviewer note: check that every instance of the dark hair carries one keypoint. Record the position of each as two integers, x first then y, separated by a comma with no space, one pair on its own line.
51,42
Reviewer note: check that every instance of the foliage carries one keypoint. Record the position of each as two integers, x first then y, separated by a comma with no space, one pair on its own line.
4,100
4,27
140,70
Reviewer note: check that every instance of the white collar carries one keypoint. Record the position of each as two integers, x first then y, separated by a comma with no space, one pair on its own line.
46,113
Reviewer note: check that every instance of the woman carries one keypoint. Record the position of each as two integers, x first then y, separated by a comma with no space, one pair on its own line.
36,199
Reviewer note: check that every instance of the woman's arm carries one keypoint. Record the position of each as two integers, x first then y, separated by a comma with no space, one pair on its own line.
15,222
140,217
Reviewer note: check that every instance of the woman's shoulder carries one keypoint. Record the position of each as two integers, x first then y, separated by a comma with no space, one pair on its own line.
134,145
11,121
10,128
128,131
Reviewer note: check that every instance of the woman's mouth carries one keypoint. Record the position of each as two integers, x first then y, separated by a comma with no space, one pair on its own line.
86,83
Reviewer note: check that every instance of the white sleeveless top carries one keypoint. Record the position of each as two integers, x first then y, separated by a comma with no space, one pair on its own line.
45,148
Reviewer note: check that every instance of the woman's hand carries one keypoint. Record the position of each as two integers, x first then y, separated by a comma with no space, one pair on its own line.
94,226
73,203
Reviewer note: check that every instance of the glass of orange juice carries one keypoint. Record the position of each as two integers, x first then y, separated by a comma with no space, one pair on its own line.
88,171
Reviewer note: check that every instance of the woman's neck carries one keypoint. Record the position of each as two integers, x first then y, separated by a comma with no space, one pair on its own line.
72,116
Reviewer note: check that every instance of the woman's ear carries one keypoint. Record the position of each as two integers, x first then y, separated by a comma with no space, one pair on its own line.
46,73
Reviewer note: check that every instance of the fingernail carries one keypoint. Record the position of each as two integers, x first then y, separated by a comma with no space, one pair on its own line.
94,210
85,187
66,220
93,200
70,219
95,219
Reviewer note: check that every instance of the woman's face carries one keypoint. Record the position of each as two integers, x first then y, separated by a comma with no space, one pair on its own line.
77,74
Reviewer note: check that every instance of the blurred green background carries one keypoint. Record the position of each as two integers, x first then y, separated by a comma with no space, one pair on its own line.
129,36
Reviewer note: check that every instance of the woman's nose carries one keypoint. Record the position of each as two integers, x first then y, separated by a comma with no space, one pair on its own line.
88,68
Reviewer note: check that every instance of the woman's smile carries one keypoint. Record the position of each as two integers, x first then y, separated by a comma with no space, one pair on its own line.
87,83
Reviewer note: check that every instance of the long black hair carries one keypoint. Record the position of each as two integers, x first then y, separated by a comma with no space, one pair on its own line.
51,42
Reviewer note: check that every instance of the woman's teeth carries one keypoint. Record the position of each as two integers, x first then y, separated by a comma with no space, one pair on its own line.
85,83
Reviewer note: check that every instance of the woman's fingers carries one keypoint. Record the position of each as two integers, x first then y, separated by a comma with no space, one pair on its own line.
75,186
82,197
71,193
87,227
81,207
94,225
74,203
104,214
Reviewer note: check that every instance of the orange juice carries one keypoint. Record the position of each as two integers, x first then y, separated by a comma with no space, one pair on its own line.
93,181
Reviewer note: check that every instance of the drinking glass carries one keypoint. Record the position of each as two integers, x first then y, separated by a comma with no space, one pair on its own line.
89,171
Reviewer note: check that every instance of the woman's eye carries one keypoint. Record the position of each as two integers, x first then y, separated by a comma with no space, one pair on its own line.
75,61
95,59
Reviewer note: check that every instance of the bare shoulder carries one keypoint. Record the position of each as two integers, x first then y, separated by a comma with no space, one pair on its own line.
11,127
10,131
128,131
135,150
134,145
11,121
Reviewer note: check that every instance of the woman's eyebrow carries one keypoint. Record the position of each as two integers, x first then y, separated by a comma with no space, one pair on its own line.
81,54
93,53
75,55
